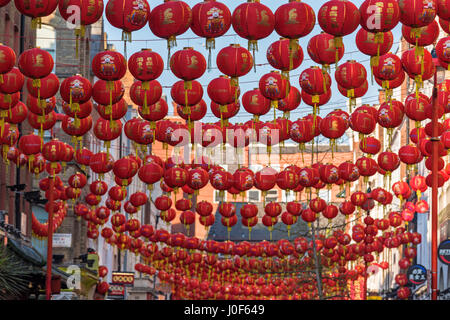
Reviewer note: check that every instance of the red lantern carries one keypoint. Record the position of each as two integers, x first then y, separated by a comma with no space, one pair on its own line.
308,216
145,65
113,112
109,65
418,66
204,208
410,154
374,45
338,18
150,173
294,20
187,64
317,205
415,108
367,166
107,130
379,16
48,87
423,36
75,89
332,127
234,61
255,103
348,171
443,50
35,63
175,177
210,19
128,16
197,178
322,50
36,10
90,12
187,96
350,75
154,112
314,81
285,55
8,61
362,122
253,21
145,93
170,19
187,218
243,179
403,293
222,91
193,113
330,212
445,25
101,163
389,68
107,92
10,88
417,13
274,87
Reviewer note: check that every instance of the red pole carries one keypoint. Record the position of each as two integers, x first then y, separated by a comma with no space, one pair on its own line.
48,280
434,193
365,282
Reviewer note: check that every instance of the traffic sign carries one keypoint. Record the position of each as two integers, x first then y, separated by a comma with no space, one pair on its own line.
444,252
417,274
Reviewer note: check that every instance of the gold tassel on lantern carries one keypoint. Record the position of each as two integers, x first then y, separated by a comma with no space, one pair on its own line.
36,23
79,33
337,44
253,46
210,44
171,42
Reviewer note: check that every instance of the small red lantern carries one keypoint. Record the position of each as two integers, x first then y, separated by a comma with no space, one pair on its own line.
127,15
322,50
338,18
169,20
36,10
417,13
255,103
210,19
253,21
8,61
285,55
274,87
109,65
294,20
234,61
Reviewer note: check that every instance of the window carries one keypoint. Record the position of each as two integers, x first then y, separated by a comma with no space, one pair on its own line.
217,198
46,40
288,196
254,196
272,195
325,194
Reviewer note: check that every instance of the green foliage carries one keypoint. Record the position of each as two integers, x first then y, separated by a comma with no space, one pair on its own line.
14,276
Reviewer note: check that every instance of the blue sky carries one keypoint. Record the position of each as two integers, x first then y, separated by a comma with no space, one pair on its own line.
144,38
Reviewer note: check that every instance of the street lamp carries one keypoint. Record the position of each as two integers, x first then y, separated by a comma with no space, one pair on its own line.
434,191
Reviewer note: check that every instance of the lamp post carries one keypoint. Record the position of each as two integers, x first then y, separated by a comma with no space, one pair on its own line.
434,186
48,280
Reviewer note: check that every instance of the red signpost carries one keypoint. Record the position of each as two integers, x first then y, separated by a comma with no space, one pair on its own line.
434,192
48,280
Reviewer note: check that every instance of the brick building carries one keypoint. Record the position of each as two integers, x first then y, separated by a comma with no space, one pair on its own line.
16,32
58,39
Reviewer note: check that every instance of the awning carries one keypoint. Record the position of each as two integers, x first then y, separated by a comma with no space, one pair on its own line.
27,253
